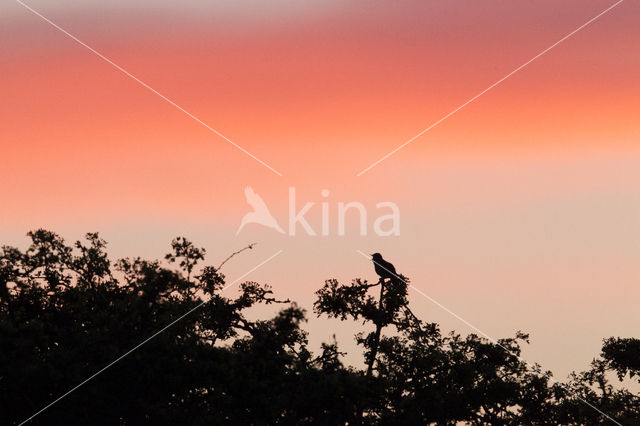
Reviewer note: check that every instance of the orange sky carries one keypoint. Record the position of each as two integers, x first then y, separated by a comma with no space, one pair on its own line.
543,168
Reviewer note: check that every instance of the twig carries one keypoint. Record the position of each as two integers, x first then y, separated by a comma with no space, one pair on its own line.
250,246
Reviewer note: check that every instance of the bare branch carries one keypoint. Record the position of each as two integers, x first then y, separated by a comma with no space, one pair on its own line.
250,246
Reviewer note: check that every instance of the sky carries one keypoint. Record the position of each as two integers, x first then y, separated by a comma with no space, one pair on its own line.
521,211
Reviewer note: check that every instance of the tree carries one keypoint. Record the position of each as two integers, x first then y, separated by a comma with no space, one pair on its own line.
619,357
428,377
65,314
68,311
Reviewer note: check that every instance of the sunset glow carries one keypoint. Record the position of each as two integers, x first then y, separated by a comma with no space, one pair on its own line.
530,192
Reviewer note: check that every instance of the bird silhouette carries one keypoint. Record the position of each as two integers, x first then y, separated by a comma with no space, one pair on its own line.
260,213
383,268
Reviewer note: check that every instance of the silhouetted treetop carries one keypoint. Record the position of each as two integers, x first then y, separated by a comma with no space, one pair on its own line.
68,311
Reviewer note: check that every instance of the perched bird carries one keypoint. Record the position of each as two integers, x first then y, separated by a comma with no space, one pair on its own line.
260,213
383,268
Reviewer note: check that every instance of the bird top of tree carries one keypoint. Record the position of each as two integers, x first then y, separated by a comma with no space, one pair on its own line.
383,268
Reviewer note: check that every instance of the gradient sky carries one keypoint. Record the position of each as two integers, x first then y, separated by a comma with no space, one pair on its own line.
520,212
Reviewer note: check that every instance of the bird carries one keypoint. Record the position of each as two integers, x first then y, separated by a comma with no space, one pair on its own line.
383,268
260,213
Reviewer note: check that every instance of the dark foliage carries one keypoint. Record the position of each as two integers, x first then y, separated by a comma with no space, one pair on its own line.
67,312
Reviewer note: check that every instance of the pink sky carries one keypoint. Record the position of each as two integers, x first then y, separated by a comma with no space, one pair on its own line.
520,212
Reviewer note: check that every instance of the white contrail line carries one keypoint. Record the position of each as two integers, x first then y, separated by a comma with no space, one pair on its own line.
398,148
147,339
494,341
128,74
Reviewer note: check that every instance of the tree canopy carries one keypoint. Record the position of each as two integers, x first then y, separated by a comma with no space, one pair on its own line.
187,353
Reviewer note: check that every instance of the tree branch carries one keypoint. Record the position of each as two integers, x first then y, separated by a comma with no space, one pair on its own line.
250,246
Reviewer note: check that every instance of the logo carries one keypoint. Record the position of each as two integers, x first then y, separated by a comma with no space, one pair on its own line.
385,225
260,213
